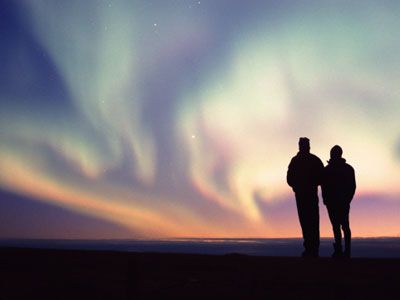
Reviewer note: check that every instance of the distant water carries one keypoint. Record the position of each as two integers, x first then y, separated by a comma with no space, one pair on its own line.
362,247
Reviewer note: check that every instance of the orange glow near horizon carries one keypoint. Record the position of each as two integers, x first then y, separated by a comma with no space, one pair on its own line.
170,223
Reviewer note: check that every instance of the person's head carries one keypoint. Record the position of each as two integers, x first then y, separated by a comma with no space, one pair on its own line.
304,145
336,152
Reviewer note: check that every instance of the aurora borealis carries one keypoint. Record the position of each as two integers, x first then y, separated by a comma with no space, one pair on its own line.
179,118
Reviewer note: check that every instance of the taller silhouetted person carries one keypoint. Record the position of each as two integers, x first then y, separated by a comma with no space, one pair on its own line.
304,175
338,188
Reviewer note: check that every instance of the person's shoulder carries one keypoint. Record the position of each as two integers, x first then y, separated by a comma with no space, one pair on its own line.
315,158
294,158
328,169
349,167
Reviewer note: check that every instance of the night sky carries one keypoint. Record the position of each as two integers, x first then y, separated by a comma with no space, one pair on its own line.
178,118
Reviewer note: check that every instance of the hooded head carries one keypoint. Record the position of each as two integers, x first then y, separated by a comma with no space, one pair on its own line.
336,155
336,152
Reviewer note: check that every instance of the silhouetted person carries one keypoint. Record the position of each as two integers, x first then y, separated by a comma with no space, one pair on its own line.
338,188
304,175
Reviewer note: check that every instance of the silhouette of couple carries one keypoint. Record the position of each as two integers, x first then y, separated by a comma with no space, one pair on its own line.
337,180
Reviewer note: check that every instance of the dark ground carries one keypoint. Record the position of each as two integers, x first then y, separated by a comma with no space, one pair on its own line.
73,274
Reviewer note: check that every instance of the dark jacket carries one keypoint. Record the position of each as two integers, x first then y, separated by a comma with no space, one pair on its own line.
339,183
305,172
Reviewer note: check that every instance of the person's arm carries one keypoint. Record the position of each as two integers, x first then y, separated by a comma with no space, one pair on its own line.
319,171
352,183
290,175
325,185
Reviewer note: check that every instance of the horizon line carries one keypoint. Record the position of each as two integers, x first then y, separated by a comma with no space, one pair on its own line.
182,238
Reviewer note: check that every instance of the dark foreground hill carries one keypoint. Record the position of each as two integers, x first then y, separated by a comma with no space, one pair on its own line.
72,274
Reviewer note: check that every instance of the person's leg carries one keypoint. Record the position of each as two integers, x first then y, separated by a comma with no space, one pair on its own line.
308,216
303,220
346,230
335,221
308,211
314,227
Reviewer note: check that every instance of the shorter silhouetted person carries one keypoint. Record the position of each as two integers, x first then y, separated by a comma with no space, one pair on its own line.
304,175
338,188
